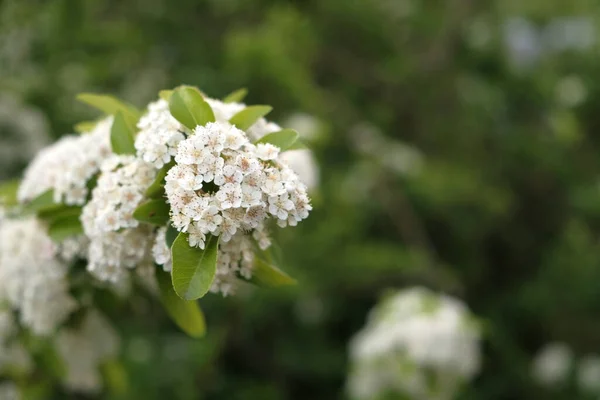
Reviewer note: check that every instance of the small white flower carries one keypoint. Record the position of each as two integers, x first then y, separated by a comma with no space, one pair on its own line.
229,196
279,206
266,151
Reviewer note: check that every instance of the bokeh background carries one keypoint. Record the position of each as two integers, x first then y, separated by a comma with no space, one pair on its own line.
458,147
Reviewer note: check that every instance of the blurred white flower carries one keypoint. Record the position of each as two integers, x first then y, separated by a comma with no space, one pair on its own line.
552,364
417,344
588,374
9,391
570,91
32,278
67,166
84,349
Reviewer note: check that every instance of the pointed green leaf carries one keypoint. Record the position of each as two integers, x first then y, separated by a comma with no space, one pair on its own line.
155,212
186,314
193,268
189,107
171,235
267,275
108,104
249,115
8,193
157,189
44,202
85,126
122,134
283,139
298,145
165,94
236,96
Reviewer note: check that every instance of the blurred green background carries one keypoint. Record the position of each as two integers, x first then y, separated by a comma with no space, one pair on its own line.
458,146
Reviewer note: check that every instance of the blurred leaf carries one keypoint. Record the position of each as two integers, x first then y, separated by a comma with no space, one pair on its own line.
122,135
165,94
236,96
157,189
265,274
186,314
115,377
189,107
110,105
249,115
64,227
155,212
283,139
193,268
8,193
44,202
85,126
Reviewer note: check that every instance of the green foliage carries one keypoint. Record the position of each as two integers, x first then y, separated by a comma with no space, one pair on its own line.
8,193
122,134
188,107
43,203
504,211
157,188
284,139
186,314
249,115
236,96
265,274
155,212
64,227
109,105
193,268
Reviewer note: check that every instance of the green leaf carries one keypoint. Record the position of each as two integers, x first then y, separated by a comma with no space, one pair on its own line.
236,96
85,126
189,107
44,202
8,193
155,212
64,227
193,268
108,104
249,115
62,211
298,145
115,376
171,235
157,189
186,314
267,275
165,94
283,139
122,134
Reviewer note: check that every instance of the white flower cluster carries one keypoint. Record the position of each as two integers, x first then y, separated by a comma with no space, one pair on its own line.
416,344
552,368
67,166
160,133
9,391
224,185
552,364
117,241
33,280
84,349
156,142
